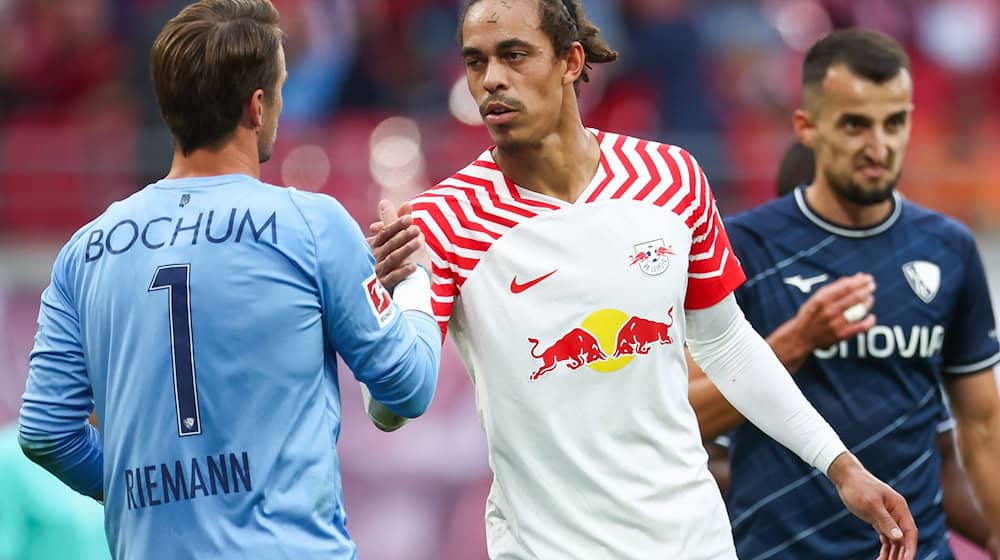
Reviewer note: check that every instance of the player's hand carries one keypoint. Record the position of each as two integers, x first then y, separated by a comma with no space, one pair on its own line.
821,320
992,548
872,500
397,244
380,415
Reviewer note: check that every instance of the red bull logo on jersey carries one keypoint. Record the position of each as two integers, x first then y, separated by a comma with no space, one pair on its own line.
638,335
606,341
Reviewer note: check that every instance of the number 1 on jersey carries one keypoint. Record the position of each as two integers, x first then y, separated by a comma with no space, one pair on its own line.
176,279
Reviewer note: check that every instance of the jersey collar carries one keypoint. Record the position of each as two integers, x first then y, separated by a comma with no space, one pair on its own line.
897,209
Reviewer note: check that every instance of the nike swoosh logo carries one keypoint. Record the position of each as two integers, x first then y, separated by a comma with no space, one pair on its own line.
516,287
805,284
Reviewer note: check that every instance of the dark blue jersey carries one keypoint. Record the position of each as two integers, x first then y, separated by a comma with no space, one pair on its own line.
879,390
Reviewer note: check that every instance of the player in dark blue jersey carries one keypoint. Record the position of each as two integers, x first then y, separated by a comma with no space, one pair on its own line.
963,516
202,317
932,321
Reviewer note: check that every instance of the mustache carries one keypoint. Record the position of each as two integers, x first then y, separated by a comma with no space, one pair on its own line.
508,101
884,164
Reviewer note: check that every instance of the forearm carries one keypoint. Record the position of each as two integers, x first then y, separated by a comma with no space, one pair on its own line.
716,415
718,465
979,443
749,375
789,346
74,457
960,509
407,389
53,428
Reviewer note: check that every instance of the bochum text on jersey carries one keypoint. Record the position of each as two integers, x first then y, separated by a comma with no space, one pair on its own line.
166,231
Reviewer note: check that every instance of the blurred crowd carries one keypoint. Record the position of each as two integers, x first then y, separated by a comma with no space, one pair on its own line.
720,77
376,106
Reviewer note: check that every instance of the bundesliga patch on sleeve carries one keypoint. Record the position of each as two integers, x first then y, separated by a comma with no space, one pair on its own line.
379,300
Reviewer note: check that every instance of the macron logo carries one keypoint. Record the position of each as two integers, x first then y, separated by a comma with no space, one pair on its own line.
805,284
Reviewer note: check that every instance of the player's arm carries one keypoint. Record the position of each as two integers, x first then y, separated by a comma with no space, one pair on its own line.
960,508
718,465
401,259
976,409
392,347
53,427
752,378
819,323
969,354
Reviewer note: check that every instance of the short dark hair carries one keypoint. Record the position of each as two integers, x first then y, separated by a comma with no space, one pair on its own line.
207,62
564,21
869,54
798,167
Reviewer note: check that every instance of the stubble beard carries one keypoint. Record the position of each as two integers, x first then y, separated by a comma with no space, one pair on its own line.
265,148
857,194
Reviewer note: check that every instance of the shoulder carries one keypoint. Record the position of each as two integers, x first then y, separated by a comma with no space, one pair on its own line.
480,176
930,222
669,160
75,250
771,217
319,210
476,202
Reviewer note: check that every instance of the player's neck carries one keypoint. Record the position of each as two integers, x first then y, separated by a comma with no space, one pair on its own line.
238,156
825,202
561,166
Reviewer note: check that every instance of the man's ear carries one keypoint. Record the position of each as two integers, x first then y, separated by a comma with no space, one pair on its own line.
254,112
576,62
804,128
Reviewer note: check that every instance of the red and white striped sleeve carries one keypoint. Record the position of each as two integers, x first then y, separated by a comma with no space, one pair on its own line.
443,279
713,269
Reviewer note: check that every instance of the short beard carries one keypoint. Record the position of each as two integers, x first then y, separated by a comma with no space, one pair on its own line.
856,194
514,146
264,151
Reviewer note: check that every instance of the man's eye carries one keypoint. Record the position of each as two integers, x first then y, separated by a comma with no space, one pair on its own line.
852,125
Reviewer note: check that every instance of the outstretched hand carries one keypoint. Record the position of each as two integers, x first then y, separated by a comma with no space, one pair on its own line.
873,501
397,244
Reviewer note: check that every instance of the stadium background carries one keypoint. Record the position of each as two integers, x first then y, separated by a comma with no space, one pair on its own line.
376,106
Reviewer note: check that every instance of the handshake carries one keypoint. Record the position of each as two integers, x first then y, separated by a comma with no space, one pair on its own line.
399,251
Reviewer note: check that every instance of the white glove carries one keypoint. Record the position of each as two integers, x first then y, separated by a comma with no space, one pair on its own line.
382,417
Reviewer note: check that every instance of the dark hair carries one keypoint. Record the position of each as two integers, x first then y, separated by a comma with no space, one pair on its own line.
564,21
870,54
798,167
207,62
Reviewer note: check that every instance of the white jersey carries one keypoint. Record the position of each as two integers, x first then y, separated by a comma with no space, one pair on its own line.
570,320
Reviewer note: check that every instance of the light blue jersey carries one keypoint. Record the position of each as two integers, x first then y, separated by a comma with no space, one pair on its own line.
202,318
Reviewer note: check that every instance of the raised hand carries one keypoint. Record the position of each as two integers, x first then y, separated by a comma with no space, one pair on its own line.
826,318
397,244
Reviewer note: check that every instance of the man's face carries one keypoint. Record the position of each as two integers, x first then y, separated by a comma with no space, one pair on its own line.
272,111
512,71
861,132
